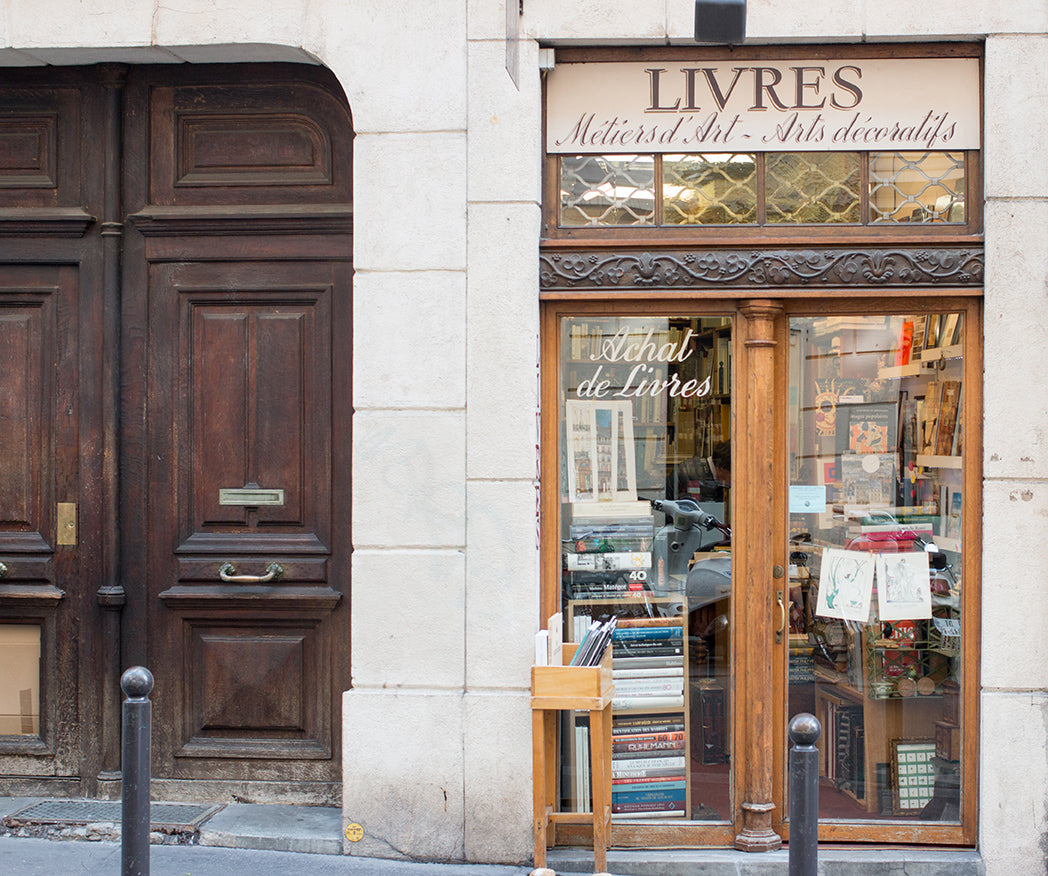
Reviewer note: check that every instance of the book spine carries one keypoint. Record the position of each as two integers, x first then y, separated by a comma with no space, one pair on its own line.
639,748
652,782
669,747
663,632
656,686
650,736
646,763
620,772
650,647
655,807
655,672
649,795
634,701
632,622
655,724
648,662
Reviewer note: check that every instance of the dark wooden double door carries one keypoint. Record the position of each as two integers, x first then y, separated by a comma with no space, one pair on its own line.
175,353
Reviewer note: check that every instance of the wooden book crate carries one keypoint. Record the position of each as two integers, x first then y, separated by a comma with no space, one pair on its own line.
582,689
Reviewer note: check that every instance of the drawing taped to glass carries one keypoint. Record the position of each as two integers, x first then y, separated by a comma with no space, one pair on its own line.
846,585
903,586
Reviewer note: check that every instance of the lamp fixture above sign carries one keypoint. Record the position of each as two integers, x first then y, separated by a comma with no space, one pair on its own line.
720,21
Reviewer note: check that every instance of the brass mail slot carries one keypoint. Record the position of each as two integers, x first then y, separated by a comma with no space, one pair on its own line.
250,497
65,523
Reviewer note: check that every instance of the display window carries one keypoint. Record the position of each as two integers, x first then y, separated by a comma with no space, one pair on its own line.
876,596
774,502
646,536
761,427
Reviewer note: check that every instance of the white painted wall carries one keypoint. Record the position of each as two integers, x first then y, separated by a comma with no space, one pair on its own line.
437,732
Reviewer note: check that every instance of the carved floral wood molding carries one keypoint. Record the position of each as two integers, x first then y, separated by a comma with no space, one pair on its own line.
772,268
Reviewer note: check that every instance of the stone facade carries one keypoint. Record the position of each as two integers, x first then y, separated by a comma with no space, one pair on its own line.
447,194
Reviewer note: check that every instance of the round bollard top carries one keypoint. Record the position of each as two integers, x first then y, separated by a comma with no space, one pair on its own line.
136,682
805,729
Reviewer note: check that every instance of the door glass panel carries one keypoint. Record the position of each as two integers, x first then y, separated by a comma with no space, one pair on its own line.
876,431
645,424
20,688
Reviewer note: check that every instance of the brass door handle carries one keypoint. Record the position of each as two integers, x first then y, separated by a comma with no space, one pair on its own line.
228,573
782,616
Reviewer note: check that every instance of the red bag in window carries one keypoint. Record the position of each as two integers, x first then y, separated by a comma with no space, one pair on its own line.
883,542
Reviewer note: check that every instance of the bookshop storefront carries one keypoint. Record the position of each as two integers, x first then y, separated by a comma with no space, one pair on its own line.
762,288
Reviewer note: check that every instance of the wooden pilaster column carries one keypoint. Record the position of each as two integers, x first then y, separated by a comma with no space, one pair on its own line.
752,559
111,595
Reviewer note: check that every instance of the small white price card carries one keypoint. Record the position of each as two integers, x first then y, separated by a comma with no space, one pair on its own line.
806,499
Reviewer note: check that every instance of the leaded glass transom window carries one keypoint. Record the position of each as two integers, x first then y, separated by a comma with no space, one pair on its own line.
917,187
775,188
709,190
813,187
607,190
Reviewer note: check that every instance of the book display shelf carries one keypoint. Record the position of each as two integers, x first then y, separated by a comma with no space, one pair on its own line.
650,714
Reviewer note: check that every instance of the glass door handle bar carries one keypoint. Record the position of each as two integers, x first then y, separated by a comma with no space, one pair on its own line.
782,616
228,573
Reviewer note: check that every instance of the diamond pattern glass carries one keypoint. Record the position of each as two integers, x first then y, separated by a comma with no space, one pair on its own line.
716,189
813,188
917,187
607,190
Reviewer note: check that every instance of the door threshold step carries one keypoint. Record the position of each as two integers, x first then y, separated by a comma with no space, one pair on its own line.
833,861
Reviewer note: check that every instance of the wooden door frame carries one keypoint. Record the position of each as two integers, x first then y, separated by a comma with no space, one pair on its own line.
964,832
761,376
766,272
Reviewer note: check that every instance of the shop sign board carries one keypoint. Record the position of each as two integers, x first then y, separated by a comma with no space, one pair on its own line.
850,104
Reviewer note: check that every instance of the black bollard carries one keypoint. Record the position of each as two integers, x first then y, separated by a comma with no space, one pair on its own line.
137,684
804,732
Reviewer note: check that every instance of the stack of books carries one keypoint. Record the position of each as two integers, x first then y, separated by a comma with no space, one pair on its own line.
649,755
608,556
648,765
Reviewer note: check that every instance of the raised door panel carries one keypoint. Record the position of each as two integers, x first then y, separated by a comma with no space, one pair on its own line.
40,143
255,142
253,424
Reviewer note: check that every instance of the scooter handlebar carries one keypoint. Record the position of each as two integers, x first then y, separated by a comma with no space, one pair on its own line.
685,514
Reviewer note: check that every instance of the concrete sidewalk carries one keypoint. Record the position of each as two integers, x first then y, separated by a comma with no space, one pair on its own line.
21,856
273,840
260,840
